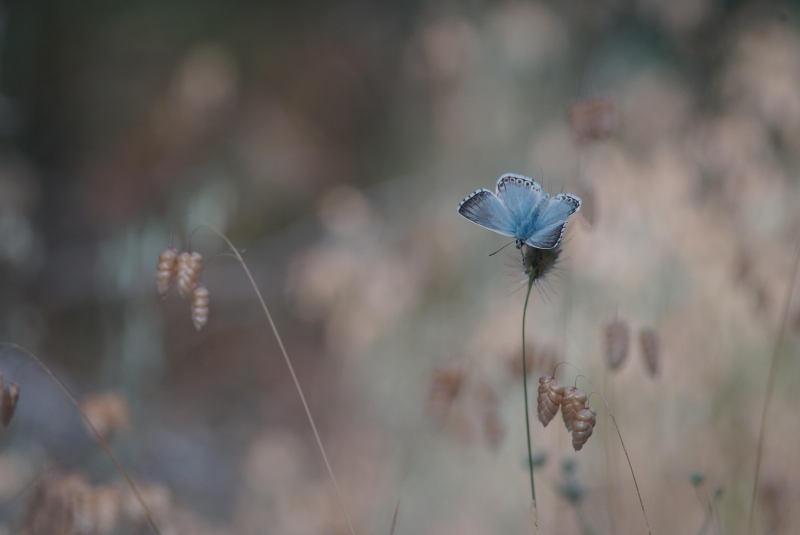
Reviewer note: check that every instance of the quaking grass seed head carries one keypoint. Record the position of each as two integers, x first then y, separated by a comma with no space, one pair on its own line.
582,426
199,306
166,270
551,393
573,401
188,271
617,340
8,403
648,338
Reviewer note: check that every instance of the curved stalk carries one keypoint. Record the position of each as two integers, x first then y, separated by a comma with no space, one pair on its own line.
91,426
773,368
291,370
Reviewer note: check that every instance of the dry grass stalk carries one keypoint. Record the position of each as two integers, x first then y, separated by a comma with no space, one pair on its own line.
108,413
582,427
199,306
616,343
771,383
166,270
238,256
103,442
8,401
551,394
592,120
188,271
573,401
650,351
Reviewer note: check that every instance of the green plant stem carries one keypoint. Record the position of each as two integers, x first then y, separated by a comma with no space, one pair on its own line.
773,368
525,391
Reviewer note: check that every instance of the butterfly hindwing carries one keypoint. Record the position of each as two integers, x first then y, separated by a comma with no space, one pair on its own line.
484,208
551,221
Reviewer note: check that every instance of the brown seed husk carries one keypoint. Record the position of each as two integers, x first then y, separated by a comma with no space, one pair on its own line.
8,404
582,427
648,338
551,393
199,306
617,342
166,270
188,271
573,401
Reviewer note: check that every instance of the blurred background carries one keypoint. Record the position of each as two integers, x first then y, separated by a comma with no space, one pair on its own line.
332,143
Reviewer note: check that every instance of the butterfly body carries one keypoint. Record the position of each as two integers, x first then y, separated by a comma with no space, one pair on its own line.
520,210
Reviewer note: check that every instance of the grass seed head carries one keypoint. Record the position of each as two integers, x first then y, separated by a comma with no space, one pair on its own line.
199,306
188,271
582,426
8,403
650,351
166,270
551,393
574,400
617,341
537,263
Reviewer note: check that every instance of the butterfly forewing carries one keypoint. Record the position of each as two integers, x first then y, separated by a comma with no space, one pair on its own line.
520,194
485,209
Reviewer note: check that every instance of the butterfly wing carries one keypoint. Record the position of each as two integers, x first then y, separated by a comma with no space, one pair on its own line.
484,208
521,195
551,220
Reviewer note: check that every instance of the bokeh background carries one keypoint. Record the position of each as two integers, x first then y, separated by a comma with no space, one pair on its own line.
332,142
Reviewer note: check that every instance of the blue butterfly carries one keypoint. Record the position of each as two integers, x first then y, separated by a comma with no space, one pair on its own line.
519,210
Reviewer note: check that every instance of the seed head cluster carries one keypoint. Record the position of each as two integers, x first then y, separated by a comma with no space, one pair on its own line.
9,395
183,270
617,342
579,418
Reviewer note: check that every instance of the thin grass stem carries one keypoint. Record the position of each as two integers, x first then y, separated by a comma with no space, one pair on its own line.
91,426
624,449
525,393
291,370
770,386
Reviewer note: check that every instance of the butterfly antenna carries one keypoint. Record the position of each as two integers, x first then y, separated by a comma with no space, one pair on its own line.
500,249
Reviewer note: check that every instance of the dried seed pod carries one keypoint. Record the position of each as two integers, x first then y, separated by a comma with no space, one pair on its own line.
166,270
617,342
592,119
582,426
188,271
445,386
551,393
8,403
573,401
199,306
649,341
